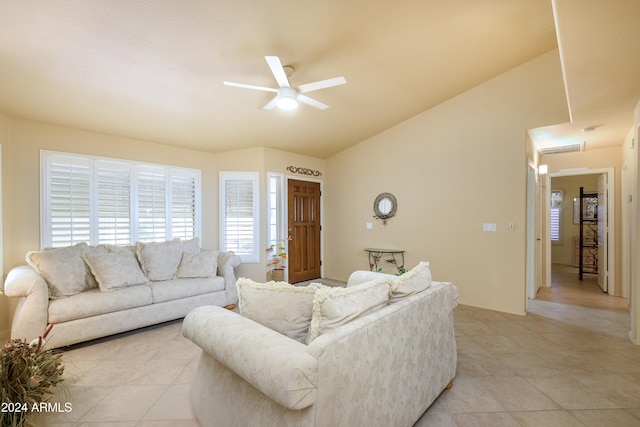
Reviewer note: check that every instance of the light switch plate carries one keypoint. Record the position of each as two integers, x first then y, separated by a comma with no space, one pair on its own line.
489,227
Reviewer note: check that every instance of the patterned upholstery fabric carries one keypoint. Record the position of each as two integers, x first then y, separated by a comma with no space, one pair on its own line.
94,303
415,280
334,307
198,264
159,260
115,270
381,369
275,364
278,305
63,269
60,286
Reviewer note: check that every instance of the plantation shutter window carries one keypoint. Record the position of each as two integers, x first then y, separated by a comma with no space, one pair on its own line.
97,200
114,203
239,214
69,203
555,224
555,215
184,189
152,205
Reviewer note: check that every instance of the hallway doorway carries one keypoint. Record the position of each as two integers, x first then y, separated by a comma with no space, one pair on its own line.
565,246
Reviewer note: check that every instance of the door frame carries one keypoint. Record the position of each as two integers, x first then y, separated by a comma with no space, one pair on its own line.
626,214
603,225
611,213
286,213
532,259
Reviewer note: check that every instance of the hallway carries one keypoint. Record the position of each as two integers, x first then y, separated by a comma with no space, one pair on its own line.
567,289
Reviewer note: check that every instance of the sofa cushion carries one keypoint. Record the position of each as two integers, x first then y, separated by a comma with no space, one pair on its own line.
182,288
159,260
415,280
191,245
334,307
108,247
198,264
115,270
93,303
63,269
278,305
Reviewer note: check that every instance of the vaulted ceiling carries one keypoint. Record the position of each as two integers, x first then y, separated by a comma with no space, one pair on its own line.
599,43
153,70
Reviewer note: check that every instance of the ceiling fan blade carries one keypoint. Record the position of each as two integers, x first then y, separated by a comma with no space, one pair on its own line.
272,104
322,84
278,71
245,86
310,101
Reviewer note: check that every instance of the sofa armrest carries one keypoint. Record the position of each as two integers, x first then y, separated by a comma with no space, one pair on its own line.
275,364
30,317
362,276
227,262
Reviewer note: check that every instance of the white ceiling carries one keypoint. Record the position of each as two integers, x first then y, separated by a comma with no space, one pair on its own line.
153,70
600,54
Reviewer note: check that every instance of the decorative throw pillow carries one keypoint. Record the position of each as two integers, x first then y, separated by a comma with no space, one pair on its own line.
278,305
116,248
198,264
62,268
91,280
191,245
115,270
413,281
334,307
159,260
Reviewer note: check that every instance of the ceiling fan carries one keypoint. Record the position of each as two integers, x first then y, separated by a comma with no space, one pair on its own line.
287,97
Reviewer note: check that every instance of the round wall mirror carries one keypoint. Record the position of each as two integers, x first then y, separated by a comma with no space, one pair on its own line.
385,205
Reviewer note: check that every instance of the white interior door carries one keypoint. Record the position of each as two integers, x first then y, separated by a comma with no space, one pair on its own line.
603,230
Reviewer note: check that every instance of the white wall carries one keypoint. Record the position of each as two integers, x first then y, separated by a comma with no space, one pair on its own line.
452,168
633,158
5,322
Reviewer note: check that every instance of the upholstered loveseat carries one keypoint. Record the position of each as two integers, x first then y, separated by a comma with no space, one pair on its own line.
382,364
90,292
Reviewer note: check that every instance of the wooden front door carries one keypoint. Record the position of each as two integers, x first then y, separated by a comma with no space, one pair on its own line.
304,230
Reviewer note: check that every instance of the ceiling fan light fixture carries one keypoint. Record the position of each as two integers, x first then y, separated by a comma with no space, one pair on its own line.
287,99
287,103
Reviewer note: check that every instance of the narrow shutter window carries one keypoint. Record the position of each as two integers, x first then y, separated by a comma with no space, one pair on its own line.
555,224
113,182
274,208
152,205
555,215
238,216
183,205
69,204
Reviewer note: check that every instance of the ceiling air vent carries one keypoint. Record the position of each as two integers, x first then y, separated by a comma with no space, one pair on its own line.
564,148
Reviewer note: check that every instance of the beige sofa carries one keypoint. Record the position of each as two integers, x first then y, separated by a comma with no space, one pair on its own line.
90,292
384,368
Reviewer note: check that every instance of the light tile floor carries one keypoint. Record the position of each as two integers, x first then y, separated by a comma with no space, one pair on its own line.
561,365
